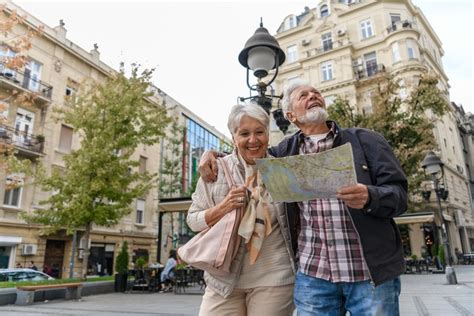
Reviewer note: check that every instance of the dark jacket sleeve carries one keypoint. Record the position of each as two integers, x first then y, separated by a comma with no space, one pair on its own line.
388,188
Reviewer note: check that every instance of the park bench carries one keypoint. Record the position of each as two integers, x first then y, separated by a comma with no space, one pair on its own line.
25,295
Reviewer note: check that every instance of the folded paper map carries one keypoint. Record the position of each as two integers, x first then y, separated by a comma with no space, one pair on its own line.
306,177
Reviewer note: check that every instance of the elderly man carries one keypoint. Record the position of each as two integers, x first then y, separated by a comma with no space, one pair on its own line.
349,247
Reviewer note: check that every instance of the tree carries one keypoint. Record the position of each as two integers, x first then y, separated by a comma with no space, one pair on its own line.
171,171
100,179
406,124
121,264
15,45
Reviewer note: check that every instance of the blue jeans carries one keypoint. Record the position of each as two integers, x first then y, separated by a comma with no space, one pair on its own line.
314,296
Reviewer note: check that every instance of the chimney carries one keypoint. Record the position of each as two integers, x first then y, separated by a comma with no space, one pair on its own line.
95,52
61,30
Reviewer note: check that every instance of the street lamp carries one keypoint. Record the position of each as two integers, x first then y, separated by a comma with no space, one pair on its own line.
261,54
433,166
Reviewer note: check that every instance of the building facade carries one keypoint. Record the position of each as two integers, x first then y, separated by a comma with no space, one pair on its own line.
55,69
342,46
192,136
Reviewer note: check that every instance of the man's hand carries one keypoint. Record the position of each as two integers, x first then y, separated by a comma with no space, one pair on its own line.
355,196
208,166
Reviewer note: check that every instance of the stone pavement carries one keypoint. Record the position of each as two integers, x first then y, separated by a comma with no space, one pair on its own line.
422,294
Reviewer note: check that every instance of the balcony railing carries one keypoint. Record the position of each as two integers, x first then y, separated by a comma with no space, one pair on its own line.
22,140
370,70
399,25
25,80
327,46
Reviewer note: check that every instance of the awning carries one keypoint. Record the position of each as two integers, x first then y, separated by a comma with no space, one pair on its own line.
9,240
174,204
414,219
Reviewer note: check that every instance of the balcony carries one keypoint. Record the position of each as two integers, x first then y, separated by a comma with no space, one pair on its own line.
368,71
28,145
24,81
327,47
399,25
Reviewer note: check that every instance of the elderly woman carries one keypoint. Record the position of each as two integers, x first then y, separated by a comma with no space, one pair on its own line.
261,276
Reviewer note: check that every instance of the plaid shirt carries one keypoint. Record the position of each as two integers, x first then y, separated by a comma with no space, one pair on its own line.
328,244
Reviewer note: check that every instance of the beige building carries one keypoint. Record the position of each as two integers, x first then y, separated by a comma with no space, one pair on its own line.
341,46
56,67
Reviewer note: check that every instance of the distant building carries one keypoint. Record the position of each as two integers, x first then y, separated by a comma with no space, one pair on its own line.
56,67
342,46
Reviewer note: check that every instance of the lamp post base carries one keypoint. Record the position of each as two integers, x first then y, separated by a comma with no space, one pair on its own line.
451,275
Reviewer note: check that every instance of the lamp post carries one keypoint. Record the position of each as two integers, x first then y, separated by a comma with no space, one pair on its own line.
433,166
261,54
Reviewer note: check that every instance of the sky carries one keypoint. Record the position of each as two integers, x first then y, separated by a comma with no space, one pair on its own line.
194,44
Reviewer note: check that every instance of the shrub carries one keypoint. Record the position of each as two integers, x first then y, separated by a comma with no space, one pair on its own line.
121,265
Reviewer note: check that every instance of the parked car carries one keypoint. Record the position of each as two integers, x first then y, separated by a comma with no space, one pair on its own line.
20,274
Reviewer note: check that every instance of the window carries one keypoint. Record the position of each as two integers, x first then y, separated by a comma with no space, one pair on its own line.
142,165
70,91
290,22
366,29
411,49
370,63
140,211
65,138
13,190
395,53
324,10
394,18
24,123
33,73
402,92
327,41
12,197
3,111
6,54
326,70
292,54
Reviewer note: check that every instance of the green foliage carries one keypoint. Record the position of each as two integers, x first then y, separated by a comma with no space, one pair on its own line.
140,262
101,179
406,124
180,266
441,255
121,265
171,170
56,281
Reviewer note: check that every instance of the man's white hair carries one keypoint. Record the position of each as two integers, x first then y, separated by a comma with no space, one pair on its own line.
252,110
286,103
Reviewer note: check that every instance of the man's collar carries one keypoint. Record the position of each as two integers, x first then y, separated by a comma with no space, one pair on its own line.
333,131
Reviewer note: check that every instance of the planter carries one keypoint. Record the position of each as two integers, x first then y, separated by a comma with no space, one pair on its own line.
120,284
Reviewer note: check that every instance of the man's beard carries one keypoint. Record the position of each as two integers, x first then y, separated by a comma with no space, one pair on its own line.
315,115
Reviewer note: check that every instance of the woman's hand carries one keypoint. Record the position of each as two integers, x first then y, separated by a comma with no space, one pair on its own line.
235,198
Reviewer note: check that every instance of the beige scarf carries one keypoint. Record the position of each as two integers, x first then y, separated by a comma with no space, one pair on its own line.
256,223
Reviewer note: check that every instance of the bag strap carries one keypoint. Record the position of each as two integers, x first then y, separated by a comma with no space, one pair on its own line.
225,168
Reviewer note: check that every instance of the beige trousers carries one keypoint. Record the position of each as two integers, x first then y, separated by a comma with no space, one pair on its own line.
259,301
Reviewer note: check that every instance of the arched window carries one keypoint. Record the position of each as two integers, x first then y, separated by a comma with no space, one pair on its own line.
324,10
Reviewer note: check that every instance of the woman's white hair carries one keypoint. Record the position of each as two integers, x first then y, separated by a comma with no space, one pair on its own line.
286,103
251,110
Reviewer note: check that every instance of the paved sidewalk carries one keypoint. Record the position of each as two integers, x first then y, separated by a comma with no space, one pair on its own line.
425,294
